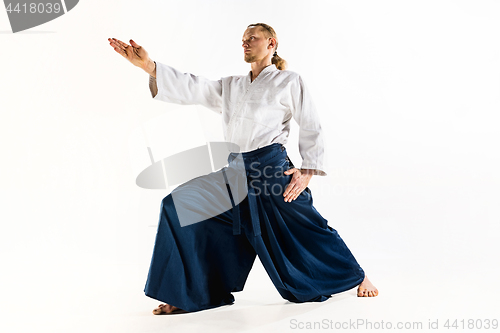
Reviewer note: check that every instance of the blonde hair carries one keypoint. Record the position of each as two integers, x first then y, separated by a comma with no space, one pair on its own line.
269,32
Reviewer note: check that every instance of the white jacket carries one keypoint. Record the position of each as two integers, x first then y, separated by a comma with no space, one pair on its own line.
254,114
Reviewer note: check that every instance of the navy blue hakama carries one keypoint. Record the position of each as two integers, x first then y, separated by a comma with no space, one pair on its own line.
197,266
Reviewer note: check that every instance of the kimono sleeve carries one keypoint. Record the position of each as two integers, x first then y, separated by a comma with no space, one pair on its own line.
311,141
174,86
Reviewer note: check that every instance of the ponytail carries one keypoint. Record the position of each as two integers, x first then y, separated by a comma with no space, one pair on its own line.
278,61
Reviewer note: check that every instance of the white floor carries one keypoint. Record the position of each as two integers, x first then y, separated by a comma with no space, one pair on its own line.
100,303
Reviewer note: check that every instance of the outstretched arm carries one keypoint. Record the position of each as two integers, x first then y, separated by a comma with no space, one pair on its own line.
174,86
169,84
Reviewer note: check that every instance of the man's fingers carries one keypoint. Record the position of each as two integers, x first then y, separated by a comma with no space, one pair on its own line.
117,46
296,194
295,187
119,42
134,44
289,188
121,51
292,195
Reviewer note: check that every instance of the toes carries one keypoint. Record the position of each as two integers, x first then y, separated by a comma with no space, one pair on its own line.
367,293
160,309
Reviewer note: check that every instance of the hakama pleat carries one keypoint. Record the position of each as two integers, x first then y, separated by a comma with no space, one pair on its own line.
198,266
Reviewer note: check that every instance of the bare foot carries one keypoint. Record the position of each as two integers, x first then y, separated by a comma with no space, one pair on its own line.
367,289
167,309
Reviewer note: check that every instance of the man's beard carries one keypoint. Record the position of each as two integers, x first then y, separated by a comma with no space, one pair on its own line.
250,58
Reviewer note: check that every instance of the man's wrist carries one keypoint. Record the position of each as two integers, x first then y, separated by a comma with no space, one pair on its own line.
307,171
151,68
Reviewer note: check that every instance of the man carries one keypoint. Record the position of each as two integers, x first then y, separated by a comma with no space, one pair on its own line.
305,258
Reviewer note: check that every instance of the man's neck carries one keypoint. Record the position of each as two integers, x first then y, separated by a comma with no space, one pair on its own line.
258,66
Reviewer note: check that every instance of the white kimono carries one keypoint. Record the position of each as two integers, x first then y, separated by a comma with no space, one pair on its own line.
254,114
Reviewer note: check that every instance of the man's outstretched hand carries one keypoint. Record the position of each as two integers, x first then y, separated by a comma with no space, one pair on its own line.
134,53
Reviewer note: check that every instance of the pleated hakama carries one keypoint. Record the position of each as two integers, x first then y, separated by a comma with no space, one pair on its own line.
198,266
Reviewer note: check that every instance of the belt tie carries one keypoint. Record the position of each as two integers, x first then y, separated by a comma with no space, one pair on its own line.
252,203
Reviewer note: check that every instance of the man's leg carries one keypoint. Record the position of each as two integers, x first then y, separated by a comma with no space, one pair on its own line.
306,259
197,266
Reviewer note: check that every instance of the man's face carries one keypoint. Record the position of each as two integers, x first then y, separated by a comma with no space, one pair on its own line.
255,44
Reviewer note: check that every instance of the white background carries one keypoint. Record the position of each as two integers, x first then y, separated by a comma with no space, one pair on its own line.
409,97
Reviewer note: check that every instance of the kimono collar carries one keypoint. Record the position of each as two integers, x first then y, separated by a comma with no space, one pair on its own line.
265,70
